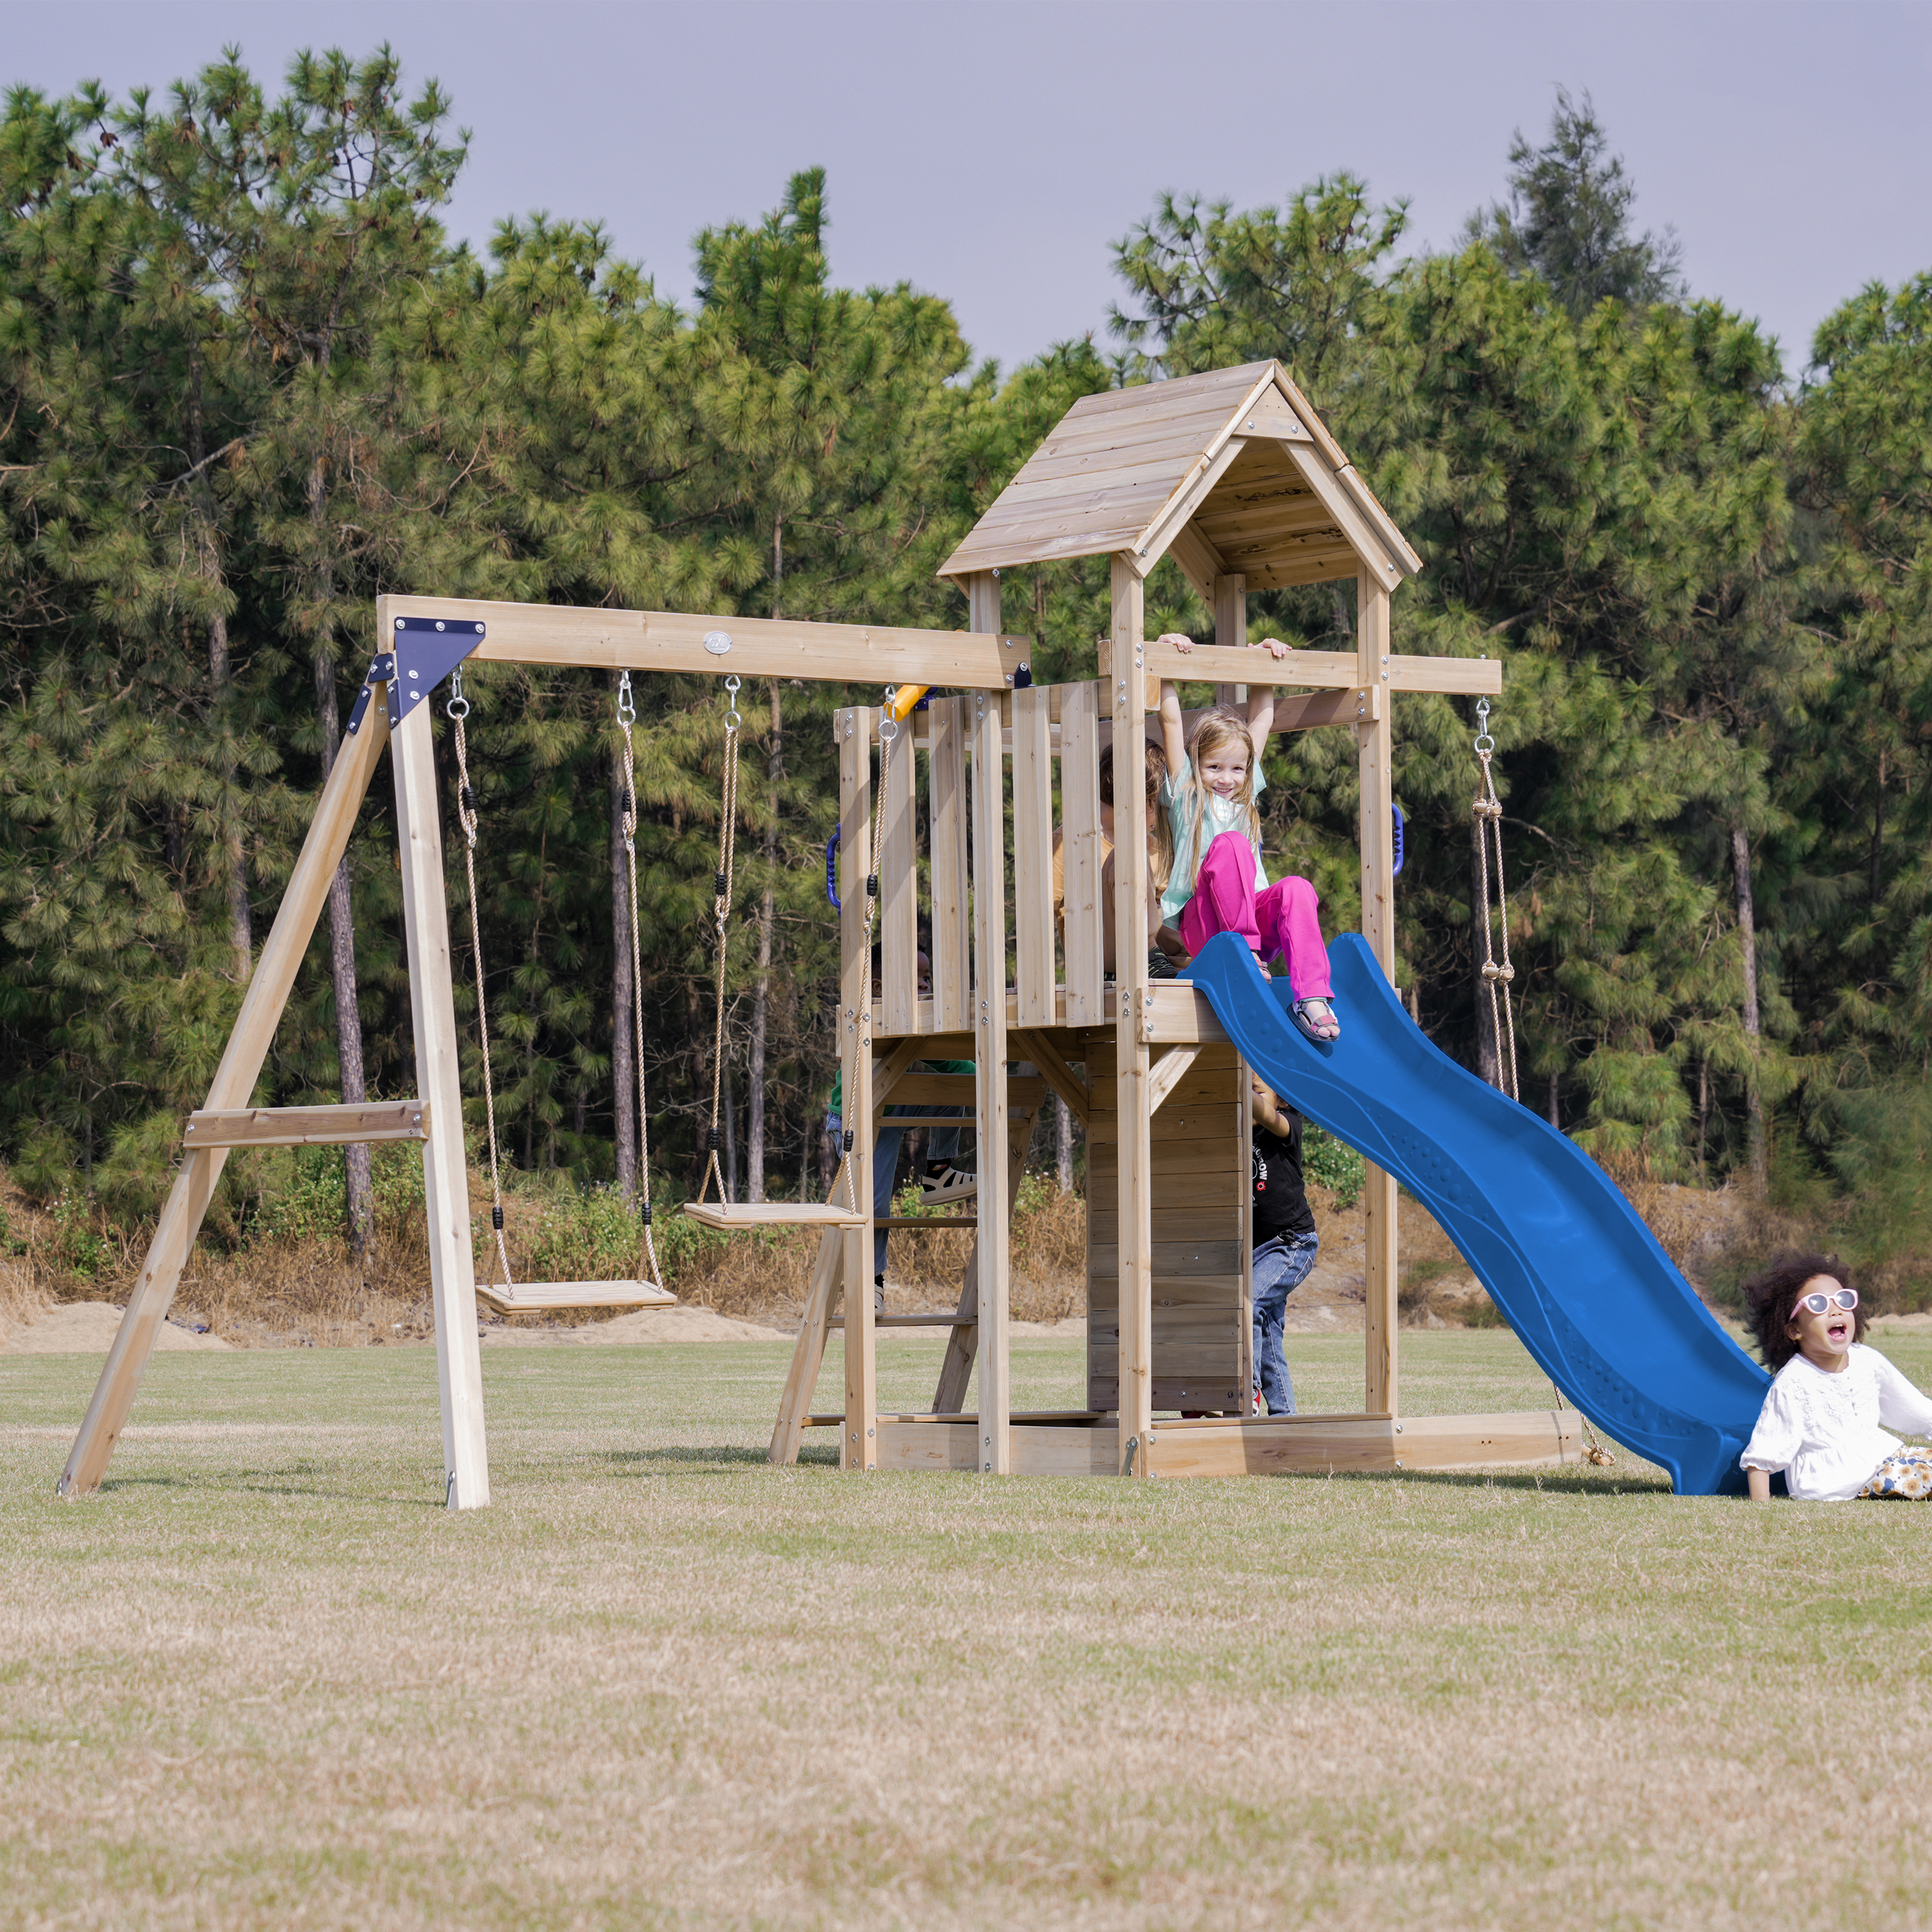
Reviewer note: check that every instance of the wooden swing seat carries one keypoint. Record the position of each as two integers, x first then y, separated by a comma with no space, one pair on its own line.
529,1297
736,1217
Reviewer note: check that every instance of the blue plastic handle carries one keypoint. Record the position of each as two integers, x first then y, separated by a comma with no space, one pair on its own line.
832,870
1397,810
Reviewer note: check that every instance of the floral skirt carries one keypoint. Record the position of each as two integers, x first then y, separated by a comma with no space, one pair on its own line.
1905,1473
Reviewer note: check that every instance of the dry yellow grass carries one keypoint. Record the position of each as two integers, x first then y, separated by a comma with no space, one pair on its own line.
264,1679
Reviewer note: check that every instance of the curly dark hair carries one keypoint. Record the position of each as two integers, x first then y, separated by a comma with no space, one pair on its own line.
1772,1294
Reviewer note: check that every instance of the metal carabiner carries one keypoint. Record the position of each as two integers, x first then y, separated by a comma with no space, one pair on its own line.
458,705
1485,744
732,721
627,709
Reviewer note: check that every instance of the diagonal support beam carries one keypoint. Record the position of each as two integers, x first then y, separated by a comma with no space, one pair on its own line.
234,1083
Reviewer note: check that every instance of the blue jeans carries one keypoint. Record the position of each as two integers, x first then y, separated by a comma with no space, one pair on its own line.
944,1144
1281,1266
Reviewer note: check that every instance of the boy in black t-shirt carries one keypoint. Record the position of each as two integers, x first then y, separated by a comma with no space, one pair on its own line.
1286,1243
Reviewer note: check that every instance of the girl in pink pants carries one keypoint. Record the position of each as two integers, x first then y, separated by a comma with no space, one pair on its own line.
1218,883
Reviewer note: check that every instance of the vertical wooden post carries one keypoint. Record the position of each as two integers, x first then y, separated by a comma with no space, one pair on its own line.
897,930
1128,697
233,1086
1374,751
952,931
1034,978
994,1244
1080,852
1231,627
858,1446
465,1458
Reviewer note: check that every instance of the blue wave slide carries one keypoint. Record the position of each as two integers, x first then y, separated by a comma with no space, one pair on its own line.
1564,1255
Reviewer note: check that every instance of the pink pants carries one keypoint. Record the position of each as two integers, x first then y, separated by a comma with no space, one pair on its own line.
1281,919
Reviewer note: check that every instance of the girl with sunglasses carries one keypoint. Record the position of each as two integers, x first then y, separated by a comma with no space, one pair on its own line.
1821,1421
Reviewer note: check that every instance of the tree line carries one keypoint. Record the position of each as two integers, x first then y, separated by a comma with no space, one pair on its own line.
247,383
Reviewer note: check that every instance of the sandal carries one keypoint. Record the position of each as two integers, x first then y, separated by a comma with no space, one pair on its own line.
1316,1018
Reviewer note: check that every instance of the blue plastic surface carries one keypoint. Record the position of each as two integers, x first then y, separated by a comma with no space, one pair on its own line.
1564,1255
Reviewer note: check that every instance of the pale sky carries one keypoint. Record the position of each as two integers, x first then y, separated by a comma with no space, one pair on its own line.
990,152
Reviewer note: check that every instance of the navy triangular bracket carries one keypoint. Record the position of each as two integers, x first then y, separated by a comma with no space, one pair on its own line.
427,650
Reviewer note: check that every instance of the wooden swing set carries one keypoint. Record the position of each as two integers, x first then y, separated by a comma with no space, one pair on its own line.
1233,475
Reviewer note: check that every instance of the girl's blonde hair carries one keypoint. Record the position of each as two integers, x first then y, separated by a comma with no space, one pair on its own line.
1215,731
1160,841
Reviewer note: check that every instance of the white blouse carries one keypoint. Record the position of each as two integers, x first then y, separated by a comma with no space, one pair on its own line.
1821,1426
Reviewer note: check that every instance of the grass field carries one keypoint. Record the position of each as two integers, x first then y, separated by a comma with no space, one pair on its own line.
264,1679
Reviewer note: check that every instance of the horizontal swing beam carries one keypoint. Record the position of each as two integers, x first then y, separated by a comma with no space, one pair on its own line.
665,641
307,1126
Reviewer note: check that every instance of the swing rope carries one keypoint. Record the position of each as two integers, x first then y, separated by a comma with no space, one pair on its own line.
727,842
1496,977
457,710
627,714
1489,821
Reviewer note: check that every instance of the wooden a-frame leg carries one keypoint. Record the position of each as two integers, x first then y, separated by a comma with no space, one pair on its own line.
466,1460
956,1372
808,1353
233,1086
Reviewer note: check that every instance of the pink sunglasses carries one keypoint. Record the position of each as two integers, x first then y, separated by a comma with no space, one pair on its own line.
1847,1298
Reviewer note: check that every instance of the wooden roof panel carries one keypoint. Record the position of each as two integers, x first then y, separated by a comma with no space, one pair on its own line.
1122,469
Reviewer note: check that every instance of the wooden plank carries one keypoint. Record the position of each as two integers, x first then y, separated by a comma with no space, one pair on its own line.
529,1297
898,883
1176,1184
956,1370
1083,938
1465,677
1375,761
1201,563
445,1173
1175,1012
1035,976
873,655
741,1217
1165,1072
1188,495
1270,415
1323,671
858,1445
889,1072
992,1252
262,1005
952,940
308,1126
807,1351
1316,1445
1041,1049
1135,1355
1038,1450
1364,537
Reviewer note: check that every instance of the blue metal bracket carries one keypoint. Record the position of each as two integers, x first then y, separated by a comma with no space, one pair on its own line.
381,669
427,650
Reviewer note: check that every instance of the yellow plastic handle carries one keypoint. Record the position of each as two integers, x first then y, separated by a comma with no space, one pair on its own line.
905,701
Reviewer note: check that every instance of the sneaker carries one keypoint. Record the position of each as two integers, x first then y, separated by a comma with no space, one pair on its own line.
878,1294
1160,966
944,1182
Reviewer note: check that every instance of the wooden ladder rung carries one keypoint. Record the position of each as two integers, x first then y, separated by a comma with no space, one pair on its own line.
529,1297
309,1126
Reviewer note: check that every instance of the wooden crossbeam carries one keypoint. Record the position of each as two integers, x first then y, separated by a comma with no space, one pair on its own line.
1324,670
308,1126
873,655
1166,1073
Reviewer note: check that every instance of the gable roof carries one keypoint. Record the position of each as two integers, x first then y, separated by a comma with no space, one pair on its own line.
1232,471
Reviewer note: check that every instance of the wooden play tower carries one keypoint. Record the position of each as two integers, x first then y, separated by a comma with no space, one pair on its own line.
1234,475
